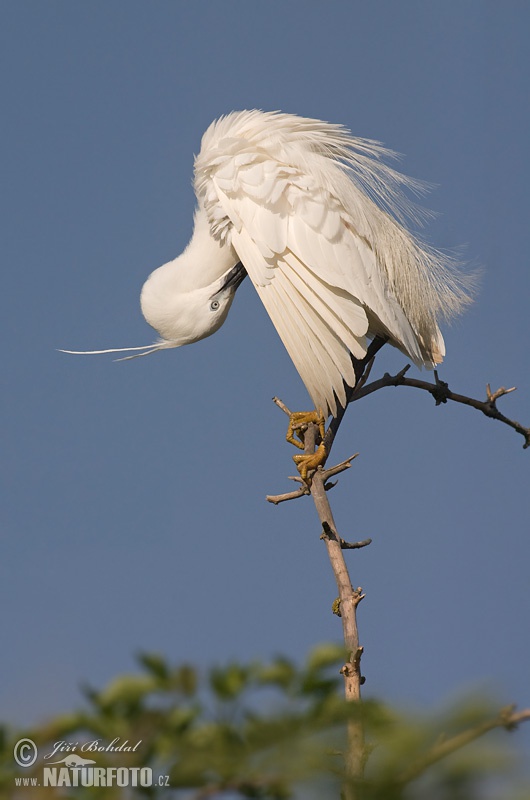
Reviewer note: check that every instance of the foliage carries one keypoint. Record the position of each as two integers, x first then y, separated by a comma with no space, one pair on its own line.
256,730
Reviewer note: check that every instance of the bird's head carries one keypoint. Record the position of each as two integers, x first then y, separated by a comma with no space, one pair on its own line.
182,314
188,298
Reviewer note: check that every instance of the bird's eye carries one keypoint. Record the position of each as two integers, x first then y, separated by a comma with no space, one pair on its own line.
214,305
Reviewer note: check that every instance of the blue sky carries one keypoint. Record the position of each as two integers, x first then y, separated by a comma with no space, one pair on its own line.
134,513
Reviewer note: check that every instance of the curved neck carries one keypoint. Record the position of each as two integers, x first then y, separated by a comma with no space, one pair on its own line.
204,260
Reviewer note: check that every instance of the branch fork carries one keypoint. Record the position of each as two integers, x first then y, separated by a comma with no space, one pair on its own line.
441,393
314,480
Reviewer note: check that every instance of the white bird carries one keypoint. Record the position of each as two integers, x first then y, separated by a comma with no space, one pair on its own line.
315,217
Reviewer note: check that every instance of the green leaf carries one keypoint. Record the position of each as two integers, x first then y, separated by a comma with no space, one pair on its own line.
155,664
229,682
326,655
127,690
185,680
281,672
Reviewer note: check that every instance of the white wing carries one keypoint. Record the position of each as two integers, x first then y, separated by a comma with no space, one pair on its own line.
330,266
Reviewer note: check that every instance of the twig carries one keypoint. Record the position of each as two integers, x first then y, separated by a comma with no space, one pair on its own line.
281,405
328,473
507,718
327,532
354,545
441,393
349,599
281,498
346,604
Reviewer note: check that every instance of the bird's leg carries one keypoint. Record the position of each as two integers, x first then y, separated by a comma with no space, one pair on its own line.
310,462
298,423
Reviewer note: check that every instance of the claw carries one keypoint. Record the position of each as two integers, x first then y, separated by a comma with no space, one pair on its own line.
298,423
311,462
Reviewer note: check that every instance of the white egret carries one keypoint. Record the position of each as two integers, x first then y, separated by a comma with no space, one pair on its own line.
316,219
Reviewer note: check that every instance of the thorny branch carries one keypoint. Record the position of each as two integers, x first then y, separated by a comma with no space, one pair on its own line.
439,390
317,485
442,393
348,600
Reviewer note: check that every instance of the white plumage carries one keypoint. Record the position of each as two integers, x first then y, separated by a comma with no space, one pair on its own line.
316,218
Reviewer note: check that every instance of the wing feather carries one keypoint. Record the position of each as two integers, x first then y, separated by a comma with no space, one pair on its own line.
330,365
321,326
310,347
341,312
307,352
315,290
289,324
296,199
310,320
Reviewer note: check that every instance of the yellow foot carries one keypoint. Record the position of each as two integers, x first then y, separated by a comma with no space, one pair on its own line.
298,423
310,462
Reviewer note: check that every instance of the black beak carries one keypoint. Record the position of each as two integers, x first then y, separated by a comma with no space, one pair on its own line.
233,277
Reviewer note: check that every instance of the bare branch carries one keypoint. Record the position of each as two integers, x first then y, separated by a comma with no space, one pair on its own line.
354,545
493,396
281,405
328,533
345,606
328,473
506,718
441,393
348,601
281,498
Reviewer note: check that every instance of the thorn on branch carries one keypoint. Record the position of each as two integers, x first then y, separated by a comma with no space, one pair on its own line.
400,375
440,391
329,533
